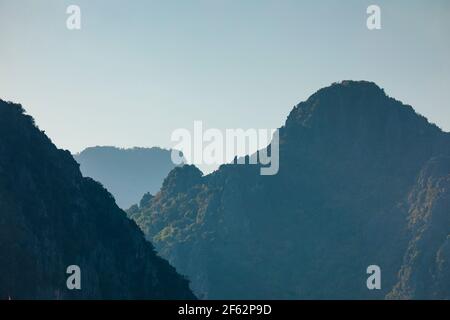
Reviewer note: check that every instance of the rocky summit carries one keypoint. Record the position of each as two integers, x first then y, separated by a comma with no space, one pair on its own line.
363,180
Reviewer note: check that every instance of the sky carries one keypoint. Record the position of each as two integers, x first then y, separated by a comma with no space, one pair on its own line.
138,70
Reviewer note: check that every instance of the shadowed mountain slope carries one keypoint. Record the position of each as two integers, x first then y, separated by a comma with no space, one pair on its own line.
51,217
357,186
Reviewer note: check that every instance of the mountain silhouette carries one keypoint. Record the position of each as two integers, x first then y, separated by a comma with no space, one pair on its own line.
126,173
363,180
51,218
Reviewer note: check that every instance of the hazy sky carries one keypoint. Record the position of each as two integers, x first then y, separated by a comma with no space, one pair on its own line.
137,70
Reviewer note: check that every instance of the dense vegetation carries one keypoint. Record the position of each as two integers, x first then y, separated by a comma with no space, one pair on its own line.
363,180
51,217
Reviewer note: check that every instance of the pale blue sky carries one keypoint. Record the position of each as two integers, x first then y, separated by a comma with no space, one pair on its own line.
137,70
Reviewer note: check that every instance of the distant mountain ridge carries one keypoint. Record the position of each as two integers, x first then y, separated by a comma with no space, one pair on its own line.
363,180
51,217
126,173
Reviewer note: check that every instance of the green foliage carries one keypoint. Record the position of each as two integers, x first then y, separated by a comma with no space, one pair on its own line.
51,217
350,158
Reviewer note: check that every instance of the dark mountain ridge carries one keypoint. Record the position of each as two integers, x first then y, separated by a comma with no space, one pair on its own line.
51,217
345,197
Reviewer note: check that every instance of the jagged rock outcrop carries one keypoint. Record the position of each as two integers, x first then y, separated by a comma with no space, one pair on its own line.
425,273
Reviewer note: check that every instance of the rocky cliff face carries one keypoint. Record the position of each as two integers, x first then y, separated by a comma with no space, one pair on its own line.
51,217
425,271
351,184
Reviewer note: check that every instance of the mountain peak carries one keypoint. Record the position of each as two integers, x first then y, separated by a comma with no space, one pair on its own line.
182,178
349,157
357,106
357,83
353,87
363,85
